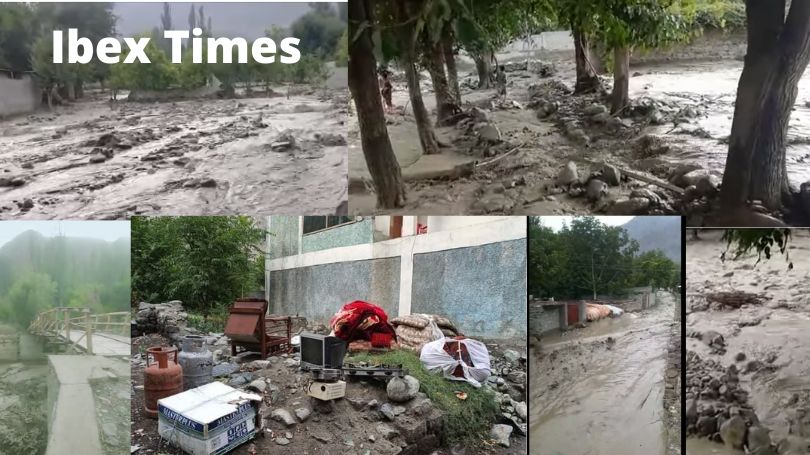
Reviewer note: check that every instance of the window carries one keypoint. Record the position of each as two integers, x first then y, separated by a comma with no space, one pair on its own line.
319,223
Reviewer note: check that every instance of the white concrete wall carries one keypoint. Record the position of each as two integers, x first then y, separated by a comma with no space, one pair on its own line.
444,233
18,96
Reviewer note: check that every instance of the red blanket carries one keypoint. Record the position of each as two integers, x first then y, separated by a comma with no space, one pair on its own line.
358,320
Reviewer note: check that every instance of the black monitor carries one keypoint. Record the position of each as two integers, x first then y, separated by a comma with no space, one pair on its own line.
322,351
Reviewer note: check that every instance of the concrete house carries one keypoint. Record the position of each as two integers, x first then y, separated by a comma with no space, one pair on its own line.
470,269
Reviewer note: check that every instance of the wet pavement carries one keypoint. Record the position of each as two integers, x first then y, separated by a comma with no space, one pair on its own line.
600,390
96,159
775,333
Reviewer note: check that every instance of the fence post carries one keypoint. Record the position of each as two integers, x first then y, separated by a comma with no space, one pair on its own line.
67,325
88,322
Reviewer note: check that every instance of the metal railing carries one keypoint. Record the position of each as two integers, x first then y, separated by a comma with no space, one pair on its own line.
62,321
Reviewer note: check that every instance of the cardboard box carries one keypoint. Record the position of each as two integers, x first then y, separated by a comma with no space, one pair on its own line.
212,419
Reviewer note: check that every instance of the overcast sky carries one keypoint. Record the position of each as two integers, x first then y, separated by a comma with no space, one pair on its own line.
246,20
556,222
106,230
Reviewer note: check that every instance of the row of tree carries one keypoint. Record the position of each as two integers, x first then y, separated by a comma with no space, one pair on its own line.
206,262
430,32
589,258
26,44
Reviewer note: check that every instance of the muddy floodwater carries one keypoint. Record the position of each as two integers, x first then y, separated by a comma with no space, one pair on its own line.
767,341
96,159
599,390
711,89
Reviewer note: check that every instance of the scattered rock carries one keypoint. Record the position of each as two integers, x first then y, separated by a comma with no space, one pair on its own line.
283,416
594,109
632,206
302,414
733,432
404,389
258,386
568,174
282,441
489,133
596,190
387,411
500,433
611,175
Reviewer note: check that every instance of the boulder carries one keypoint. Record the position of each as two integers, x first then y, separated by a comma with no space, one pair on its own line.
632,206
302,414
596,190
568,174
500,433
404,389
733,432
283,416
611,175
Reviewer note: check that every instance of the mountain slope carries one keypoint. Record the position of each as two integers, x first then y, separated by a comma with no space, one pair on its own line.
657,232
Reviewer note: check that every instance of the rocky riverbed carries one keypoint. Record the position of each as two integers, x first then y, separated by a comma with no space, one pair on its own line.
603,390
101,159
23,414
748,359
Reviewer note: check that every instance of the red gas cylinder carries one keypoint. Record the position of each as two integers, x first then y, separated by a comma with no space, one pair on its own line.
162,378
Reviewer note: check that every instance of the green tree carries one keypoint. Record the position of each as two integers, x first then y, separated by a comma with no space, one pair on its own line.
206,262
30,294
159,74
319,30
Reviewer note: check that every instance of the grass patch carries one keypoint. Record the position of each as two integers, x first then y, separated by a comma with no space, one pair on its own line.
213,322
465,421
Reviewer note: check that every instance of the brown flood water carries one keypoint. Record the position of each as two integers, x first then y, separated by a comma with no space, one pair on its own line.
591,398
779,329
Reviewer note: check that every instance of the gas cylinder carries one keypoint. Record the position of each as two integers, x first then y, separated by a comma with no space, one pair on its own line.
163,377
197,362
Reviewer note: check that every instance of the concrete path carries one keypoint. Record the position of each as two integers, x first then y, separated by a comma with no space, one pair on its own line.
103,344
73,427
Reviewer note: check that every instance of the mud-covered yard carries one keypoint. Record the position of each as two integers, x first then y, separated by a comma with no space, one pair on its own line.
539,151
601,389
748,342
100,159
366,421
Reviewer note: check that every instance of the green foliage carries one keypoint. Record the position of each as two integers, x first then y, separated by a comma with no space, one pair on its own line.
727,15
467,421
319,30
159,74
309,70
342,51
30,294
587,257
17,33
211,322
206,262
764,241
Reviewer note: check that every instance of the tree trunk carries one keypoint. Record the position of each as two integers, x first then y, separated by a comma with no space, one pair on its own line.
587,80
777,55
446,106
70,90
621,79
380,159
448,43
427,137
483,65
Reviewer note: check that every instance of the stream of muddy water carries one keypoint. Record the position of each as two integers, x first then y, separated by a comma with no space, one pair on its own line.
711,89
773,336
599,390
96,159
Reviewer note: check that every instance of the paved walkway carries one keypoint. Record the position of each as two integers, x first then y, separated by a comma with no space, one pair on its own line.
103,344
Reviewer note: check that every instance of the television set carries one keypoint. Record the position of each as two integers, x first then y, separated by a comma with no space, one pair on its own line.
322,351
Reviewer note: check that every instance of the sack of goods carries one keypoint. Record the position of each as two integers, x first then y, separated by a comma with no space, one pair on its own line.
416,330
358,320
595,311
457,360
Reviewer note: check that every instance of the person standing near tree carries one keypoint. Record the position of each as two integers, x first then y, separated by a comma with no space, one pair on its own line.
387,90
500,83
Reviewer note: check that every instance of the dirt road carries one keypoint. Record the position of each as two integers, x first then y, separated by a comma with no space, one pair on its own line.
768,341
600,390
94,159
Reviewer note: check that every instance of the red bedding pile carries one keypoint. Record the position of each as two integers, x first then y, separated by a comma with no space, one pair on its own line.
358,320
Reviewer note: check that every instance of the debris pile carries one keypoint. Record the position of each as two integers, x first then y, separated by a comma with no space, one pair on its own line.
168,319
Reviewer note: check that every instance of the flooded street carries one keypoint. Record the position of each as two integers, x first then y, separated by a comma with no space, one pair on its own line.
600,390
94,159
765,342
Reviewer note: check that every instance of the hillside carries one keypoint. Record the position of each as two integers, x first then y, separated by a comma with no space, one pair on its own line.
38,272
657,232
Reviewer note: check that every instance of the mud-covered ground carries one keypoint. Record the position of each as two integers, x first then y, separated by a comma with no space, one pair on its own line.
23,414
752,360
600,390
675,131
112,414
97,159
354,425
